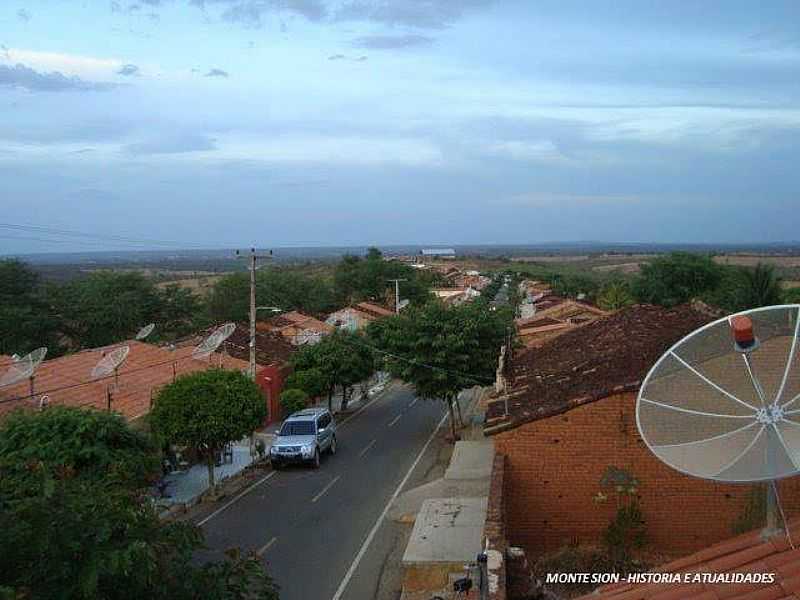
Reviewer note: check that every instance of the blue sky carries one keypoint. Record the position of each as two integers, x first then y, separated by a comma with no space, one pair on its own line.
310,122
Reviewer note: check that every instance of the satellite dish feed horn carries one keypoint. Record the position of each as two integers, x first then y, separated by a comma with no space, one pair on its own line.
722,403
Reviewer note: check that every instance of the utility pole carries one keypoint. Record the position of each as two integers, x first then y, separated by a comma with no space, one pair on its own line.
397,294
253,258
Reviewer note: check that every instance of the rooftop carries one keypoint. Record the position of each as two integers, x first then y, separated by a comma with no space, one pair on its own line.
747,553
272,348
608,356
67,380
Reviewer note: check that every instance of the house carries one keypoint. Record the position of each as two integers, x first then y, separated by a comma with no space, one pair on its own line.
357,317
455,296
68,380
438,253
568,416
747,554
273,355
298,328
556,316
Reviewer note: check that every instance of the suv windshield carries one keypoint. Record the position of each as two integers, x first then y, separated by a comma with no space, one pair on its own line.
297,428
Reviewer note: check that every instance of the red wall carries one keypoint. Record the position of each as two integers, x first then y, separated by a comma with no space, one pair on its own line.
554,467
271,379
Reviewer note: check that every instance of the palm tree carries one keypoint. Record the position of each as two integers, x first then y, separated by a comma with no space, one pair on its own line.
761,287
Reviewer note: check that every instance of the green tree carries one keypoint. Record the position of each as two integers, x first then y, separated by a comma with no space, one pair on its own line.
342,358
312,381
762,287
284,288
677,278
67,530
791,296
357,279
26,317
106,307
615,295
293,400
88,444
180,313
208,409
443,350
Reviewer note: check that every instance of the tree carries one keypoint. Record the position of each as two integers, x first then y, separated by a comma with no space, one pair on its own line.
677,278
791,296
67,530
180,313
106,307
208,409
288,290
443,350
762,287
88,444
311,380
26,317
614,295
293,400
357,279
342,359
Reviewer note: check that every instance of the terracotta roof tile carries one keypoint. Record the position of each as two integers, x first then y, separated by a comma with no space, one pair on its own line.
747,553
374,309
608,356
68,380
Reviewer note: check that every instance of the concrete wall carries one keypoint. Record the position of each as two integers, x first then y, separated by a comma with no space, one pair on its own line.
554,467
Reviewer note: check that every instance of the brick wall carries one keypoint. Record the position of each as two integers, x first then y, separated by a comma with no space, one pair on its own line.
495,529
554,467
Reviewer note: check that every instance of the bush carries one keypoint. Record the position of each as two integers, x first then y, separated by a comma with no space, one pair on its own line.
293,400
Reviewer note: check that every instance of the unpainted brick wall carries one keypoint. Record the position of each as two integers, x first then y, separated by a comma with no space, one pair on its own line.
553,471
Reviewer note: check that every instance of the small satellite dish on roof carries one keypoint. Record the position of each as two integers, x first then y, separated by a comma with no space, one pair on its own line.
145,331
212,342
110,363
724,402
23,368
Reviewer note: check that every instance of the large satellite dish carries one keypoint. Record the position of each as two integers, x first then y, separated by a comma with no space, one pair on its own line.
212,342
110,362
23,368
145,331
724,402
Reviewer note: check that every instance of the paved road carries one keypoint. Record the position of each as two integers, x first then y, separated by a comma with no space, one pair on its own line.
310,525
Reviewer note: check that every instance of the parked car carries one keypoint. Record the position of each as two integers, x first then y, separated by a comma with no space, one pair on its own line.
303,437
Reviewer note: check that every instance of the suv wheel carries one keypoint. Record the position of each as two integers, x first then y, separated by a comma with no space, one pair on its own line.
315,462
333,445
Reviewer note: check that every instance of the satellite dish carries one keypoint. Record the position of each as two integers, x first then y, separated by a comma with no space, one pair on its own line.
212,342
724,402
23,368
145,331
110,362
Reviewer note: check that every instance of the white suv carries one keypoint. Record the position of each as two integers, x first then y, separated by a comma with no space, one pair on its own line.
303,437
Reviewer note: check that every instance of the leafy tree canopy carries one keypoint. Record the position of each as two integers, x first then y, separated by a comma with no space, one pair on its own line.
26,317
311,380
88,444
677,278
288,290
614,296
293,400
208,409
67,532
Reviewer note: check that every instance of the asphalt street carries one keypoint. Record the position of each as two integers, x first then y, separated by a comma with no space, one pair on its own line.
321,532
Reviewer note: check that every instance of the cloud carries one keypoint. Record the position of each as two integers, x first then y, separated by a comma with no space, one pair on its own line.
25,78
24,15
349,58
536,151
390,42
250,13
217,73
422,14
173,144
128,71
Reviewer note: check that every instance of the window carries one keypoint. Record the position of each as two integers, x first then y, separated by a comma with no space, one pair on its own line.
324,421
297,428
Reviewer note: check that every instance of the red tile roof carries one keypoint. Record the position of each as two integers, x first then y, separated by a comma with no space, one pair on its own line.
294,325
608,356
68,380
272,348
747,553
374,310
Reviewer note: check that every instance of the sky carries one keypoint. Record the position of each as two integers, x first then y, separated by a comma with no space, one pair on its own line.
231,123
